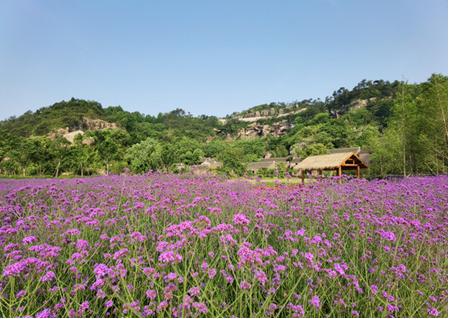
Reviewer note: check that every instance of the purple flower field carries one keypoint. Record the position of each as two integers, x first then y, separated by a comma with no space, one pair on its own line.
174,246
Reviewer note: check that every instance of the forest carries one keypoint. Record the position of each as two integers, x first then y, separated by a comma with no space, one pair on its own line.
403,126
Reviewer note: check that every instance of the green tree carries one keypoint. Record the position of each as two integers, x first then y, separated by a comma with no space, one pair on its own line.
110,145
144,156
231,158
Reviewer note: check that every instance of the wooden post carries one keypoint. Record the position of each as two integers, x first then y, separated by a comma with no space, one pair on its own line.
339,171
358,171
302,176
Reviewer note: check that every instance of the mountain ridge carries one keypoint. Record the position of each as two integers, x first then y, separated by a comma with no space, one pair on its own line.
71,114
383,117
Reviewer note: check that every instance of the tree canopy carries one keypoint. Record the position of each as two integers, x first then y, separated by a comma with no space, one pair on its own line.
404,127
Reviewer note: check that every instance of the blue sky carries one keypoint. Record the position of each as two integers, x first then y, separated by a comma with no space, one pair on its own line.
210,57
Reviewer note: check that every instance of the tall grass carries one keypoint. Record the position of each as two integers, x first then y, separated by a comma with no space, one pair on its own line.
169,246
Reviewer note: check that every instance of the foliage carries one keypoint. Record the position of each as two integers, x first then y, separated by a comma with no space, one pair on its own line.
416,136
59,115
404,126
161,245
144,156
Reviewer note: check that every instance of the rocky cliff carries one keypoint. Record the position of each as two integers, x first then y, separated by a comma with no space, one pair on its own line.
88,124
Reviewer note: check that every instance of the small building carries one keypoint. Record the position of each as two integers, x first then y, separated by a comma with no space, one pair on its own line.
209,165
267,163
336,162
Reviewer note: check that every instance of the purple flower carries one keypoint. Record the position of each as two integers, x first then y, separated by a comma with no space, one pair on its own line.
162,306
171,276
201,307
399,271
261,276
170,257
73,232
101,294
245,285
433,311
120,253
211,273
151,294
298,310
388,235
84,306
20,267
137,236
82,245
97,284
101,270
194,291
14,269
315,301
340,268
46,313
21,294
316,239
374,289
49,276
188,237
392,308
309,257
240,219
29,240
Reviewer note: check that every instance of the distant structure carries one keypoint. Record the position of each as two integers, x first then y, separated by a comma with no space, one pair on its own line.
336,162
267,163
207,166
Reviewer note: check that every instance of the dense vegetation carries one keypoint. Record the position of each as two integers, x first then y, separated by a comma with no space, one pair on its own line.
170,246
404,126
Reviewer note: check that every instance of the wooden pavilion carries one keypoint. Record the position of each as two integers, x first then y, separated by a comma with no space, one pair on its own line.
337,162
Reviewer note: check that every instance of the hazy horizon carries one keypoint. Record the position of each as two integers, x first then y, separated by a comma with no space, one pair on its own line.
210,58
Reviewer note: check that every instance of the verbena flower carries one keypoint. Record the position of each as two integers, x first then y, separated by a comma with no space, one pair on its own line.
48,276
170,257
29,239
433,312
315,302
240,219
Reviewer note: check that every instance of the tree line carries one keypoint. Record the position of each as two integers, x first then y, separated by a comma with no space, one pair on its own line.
402,125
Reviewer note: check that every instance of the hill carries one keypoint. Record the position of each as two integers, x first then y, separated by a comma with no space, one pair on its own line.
381,116
76,113
59,115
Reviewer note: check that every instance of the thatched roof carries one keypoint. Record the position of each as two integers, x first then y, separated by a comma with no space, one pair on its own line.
262,164
328,161
269,163
355,150
276,159
364,157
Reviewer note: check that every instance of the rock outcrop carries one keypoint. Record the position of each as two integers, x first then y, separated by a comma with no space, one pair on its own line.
261,130
267,114
97,124
88,125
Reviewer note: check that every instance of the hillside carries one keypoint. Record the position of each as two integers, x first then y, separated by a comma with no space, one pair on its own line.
59,115
75,113
368,115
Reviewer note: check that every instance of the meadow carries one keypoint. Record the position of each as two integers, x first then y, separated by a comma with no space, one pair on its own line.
175,246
